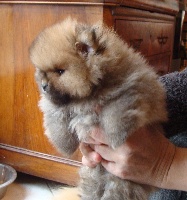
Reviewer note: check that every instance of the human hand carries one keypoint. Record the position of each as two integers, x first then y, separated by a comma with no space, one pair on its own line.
145,157
90,157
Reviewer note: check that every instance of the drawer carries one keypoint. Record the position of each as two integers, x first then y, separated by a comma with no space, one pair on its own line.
149,38
161,63
161,37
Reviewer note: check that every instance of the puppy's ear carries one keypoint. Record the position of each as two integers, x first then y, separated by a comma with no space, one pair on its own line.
83,48
86,40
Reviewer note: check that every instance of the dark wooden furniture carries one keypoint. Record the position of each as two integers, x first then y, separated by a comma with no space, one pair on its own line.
146,26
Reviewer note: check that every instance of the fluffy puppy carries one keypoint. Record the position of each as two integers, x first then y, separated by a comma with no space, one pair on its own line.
79,67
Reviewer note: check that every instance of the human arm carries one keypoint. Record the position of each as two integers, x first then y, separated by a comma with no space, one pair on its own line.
146,157
175,85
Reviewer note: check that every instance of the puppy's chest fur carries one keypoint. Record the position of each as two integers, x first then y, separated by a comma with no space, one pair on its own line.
105,111
84,116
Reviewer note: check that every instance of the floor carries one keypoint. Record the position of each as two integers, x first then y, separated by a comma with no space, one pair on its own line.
27,187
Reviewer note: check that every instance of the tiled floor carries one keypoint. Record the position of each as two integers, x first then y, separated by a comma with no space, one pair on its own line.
32,188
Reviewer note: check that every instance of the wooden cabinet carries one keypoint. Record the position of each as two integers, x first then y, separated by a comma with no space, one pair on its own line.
22,142
152,35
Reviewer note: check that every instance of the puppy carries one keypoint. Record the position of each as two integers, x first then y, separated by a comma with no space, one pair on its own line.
80,67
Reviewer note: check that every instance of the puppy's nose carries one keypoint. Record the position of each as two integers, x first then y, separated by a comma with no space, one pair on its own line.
44,85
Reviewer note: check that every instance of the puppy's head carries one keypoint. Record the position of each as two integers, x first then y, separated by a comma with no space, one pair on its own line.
66,57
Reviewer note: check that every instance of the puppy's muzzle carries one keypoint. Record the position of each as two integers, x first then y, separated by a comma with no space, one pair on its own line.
44,85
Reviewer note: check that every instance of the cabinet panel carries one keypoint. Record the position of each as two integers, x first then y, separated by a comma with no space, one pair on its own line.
161,38
135,34
149,38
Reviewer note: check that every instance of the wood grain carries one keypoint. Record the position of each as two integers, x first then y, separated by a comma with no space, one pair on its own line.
21,123
65,2
22,120
166,7
42,165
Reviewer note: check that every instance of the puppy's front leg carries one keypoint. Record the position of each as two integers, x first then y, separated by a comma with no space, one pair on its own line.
56,121
120,118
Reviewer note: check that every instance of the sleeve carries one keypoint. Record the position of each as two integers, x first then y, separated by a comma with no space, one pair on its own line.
176,90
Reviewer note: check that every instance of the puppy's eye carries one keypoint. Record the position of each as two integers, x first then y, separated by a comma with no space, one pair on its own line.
59,71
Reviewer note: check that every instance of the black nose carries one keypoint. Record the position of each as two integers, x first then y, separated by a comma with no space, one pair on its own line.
44,87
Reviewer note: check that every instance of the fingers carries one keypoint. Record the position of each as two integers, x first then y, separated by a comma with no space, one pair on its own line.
90,157
112,168
88,163
106,152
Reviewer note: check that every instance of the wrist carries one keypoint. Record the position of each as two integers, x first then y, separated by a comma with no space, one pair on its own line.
177,173
168,159
163,178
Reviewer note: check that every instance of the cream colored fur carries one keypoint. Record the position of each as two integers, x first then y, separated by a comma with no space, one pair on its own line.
79,67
